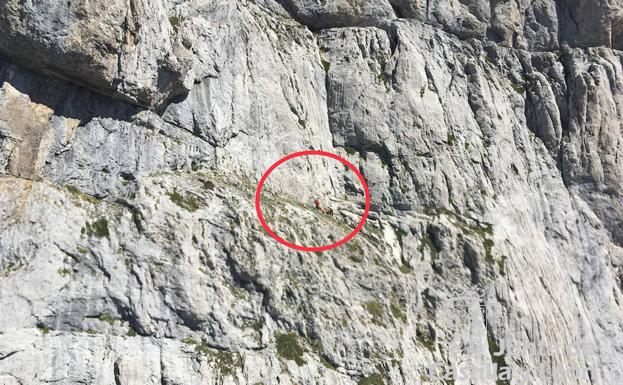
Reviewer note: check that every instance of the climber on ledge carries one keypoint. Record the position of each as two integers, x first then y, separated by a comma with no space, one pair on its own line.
325,210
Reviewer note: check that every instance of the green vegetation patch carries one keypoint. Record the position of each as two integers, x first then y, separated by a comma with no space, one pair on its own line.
176,21
427,243
483,231
398,310
226,362
188,202
385,79
288,347
375,308
258,325
502,265
208,185
108,318
326,363
425,339
488,245
99,228
355,251
519,88
189,341
11,268
373,379
355,258
80,195
326,65
451,139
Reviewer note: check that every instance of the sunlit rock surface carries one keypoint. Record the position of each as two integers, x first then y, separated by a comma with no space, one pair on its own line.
133,135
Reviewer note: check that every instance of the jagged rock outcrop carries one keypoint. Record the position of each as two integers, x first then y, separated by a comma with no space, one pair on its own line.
128,48
534,25
133,135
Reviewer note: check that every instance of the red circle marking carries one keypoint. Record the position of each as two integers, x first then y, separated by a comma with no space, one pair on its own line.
281,161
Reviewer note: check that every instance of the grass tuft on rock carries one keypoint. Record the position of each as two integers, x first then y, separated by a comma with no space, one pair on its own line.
288,347
188,202
80,195
108,318
375,308
189,341
326,65
373,379
451,139
398,311
176,21
226,362
99,228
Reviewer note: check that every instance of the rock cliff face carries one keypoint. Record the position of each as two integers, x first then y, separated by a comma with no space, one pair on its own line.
133,134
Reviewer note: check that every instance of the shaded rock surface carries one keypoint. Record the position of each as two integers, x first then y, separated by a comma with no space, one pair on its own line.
133,135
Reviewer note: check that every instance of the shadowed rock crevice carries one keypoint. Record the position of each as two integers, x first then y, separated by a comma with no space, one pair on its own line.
64,98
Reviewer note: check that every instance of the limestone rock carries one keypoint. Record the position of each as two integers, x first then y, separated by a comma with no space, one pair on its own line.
128,48
131,145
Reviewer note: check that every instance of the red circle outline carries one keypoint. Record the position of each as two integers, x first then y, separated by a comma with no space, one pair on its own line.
281,161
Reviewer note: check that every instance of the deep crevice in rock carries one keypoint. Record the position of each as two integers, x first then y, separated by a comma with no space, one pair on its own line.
64,97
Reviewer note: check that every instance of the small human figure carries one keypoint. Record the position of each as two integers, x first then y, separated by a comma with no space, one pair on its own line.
324,210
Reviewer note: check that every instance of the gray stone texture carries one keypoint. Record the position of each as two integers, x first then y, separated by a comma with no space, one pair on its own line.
133,135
